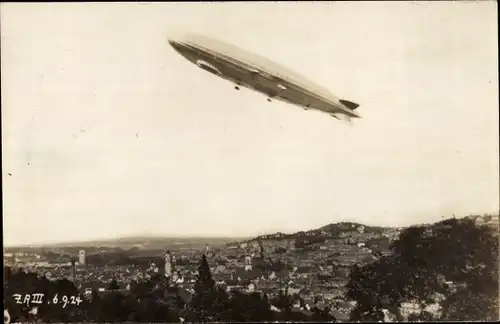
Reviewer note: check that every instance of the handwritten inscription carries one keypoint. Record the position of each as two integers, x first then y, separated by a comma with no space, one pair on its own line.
39,298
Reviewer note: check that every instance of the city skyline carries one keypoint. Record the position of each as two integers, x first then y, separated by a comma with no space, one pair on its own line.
141,239
107,132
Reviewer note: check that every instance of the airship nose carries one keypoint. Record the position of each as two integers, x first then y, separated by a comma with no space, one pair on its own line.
176,39
175,44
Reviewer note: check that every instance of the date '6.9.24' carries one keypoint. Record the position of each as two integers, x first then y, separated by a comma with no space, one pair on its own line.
39,298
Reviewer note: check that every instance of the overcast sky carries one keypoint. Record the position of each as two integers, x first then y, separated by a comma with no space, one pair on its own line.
107,131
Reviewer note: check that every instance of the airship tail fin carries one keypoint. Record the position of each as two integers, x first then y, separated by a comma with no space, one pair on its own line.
349,104
346,120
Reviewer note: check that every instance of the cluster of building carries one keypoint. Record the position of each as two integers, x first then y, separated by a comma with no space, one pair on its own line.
314,272
317,277
487,220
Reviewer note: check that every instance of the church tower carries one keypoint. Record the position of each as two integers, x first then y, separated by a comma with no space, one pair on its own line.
248,262
81,257
168,264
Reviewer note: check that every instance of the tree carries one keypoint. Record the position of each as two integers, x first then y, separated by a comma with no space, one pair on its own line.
365,286
249,308
283,301
322,315
113,285
142,289
454,259
21,283
150,305
281,250
207,302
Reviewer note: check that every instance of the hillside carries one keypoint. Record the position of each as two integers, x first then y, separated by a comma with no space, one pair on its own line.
333,230
342,230
336,230
341,233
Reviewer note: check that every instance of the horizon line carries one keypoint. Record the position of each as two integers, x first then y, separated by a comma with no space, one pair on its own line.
225,236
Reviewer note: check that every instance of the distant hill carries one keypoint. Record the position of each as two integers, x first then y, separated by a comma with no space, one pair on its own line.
330,230
311,239
334,230
140,242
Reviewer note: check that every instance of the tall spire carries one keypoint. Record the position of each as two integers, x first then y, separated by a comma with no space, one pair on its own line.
168,264
207,251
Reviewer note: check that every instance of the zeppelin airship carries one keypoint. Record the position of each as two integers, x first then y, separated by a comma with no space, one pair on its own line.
245,69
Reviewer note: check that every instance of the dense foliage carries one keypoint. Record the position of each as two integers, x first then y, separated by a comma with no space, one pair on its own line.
452,264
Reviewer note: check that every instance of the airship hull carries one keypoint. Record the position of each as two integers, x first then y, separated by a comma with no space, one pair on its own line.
257,73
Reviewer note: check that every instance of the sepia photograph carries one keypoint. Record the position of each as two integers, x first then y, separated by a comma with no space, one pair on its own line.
228,162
